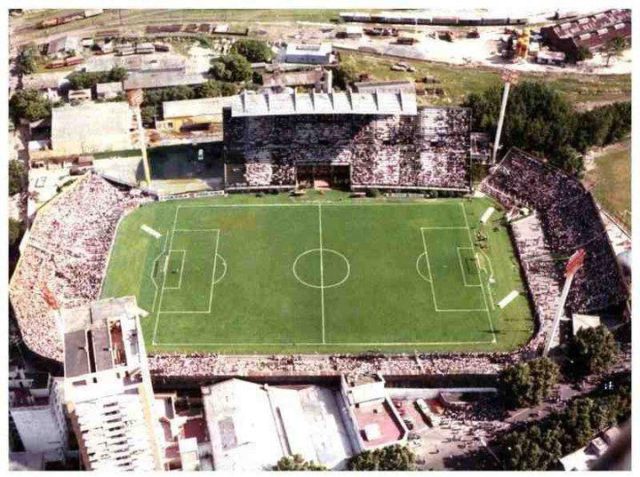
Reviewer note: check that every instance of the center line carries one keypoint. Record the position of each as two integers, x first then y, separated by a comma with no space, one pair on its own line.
321,270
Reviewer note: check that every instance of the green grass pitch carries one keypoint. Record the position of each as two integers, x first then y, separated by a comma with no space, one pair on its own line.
325,273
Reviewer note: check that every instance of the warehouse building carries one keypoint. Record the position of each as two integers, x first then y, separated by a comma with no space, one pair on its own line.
591,32
252,426
90,128
153,79
193,114
313,54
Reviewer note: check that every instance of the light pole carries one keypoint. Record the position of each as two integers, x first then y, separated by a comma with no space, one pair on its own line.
573,265
509,78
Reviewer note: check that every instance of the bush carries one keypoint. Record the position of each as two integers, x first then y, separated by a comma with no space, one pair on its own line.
26,60
255,51
212,89
232,67
346,73
373,193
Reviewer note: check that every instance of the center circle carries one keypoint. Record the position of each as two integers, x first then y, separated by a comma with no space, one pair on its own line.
321,268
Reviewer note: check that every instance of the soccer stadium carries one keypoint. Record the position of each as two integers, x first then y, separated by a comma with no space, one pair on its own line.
347,234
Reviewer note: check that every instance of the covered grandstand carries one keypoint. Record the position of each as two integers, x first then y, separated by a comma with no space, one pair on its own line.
351,140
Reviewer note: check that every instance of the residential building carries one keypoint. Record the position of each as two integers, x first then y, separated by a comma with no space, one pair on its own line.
63,45
36,410
106,91
108,392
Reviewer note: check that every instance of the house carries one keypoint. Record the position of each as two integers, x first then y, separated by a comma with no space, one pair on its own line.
79,95
63,45
47,83
106,91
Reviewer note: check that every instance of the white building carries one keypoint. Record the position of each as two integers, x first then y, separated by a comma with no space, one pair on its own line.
252,426
36,409
313,54
108,390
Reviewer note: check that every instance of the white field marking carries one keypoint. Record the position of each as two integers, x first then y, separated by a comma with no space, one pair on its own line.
490,277
213,282
466,221
153,280
224,262
508,299
321,269
418,267
164,280
464,275
443,228
487,214
184,254
311,285
150,231
315,203
400,343
433,291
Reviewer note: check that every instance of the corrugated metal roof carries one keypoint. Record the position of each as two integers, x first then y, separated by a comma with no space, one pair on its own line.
267,104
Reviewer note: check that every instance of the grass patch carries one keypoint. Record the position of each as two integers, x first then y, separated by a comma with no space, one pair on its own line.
611,179
289,275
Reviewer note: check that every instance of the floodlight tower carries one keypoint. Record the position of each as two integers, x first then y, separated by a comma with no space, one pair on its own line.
135,98
509,77
573,265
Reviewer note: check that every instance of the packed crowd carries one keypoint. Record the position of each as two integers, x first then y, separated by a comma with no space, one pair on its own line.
430,150
541,271
569,220
65,259
198,365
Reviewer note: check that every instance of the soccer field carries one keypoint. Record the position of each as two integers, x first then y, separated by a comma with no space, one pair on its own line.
243,274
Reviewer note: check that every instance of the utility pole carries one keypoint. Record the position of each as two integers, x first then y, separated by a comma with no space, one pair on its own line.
573,265
509,78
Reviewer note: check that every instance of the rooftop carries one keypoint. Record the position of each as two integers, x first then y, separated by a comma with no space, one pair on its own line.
196,107
266,104
91,127
163,79
378,416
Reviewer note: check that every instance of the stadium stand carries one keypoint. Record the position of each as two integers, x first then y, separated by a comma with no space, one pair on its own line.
569,220
65,258
383,139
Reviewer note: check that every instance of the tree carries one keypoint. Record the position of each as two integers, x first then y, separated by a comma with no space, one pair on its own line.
394,457
88,79
593,350
26,60
297,463
527,384
29,104
17,177
614,48
233,67
255,51
346,72
582,54
15,232
212,89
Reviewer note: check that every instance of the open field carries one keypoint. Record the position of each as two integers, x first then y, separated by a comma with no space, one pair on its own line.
244,274
611,180
459,81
